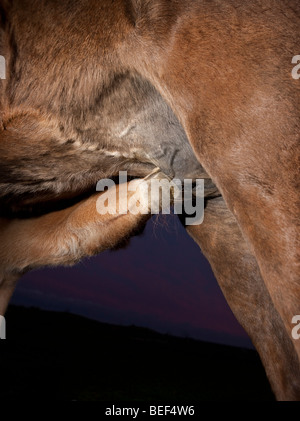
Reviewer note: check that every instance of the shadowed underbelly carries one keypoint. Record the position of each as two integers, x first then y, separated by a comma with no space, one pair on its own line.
130,129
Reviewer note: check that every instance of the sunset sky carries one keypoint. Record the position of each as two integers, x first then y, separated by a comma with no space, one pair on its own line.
161,281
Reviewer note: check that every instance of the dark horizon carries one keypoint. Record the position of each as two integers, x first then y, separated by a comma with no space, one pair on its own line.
160,281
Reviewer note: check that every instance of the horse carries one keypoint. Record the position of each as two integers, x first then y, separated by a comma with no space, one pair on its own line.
159,88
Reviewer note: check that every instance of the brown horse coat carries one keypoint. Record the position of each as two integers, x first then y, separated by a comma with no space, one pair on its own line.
224,69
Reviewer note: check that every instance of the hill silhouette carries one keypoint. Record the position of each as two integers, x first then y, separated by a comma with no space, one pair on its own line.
61,356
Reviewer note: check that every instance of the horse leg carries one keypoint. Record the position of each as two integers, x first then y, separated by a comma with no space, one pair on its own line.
66,236
239,277
239,105
7,287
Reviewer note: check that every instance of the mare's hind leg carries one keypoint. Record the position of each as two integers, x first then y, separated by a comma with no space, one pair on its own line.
239,277
7,287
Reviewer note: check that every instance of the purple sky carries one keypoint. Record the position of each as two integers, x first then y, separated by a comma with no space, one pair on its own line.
161,281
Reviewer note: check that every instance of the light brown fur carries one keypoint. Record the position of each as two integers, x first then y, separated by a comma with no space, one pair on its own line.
64,237
224,68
